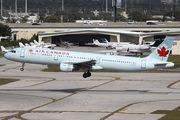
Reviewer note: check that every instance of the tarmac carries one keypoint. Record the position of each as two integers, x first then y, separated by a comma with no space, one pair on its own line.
66,96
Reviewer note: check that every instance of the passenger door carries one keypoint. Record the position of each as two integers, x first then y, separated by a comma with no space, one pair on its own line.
55,56
143,64
22,54
97,60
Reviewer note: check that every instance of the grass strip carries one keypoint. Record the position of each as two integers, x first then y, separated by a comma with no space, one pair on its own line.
4,81
170,115
1,55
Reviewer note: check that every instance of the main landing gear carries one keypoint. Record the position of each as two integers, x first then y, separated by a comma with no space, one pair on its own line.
22,69
87,74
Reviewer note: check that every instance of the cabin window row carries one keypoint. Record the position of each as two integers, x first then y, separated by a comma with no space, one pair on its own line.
119,61
77,57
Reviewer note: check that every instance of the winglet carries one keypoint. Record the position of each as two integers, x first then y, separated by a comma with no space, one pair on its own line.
163,50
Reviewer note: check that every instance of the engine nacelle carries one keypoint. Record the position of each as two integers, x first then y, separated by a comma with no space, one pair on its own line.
66,67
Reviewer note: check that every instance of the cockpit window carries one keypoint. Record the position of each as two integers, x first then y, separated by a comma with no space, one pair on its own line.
13,51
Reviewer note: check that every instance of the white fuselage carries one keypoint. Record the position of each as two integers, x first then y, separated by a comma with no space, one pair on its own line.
106,62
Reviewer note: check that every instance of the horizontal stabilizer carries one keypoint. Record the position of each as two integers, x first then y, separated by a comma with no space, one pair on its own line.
167,64
159,64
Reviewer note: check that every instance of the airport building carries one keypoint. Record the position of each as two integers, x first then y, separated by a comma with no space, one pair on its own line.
85,34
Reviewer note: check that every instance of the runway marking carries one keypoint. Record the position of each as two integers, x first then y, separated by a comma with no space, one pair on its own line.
11,68
169,86
139,108
23,112
55,111
132,113
21,77
169,102
151,104
119,111
145,80
19,117
53,79
87,80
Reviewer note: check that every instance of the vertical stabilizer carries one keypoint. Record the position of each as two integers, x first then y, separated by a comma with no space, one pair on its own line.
96,42
163,50
21,44
35,42
3,49
104,40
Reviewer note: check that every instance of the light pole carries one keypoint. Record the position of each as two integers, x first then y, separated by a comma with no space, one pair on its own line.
106,5
26,7
115,10
62,5
1,8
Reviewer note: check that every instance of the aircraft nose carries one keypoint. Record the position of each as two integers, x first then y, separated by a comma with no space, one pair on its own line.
6,55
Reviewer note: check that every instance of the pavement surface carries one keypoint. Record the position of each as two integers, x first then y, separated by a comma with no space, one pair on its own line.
66,96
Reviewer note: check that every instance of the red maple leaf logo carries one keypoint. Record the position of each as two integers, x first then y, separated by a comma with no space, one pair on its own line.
30,50
163,52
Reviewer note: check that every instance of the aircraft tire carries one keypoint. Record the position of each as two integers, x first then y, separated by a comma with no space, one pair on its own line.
88,74
85,75
22,69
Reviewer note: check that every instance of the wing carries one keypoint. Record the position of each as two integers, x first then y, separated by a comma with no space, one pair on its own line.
85,65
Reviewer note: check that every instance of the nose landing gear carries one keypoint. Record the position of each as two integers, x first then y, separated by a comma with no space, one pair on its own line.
22,69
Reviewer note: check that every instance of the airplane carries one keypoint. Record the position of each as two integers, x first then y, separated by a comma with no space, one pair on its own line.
32,44
44,45
124,47
65,44
26,45
132,48
4,49
109,45
104,40
70,60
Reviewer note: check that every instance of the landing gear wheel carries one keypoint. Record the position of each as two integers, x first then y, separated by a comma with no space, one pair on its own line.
89,74
22,69
85,75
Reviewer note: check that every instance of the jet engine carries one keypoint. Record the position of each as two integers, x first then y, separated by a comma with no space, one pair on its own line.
64,67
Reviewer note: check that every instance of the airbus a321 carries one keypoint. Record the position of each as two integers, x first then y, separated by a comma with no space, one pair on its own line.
70,61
